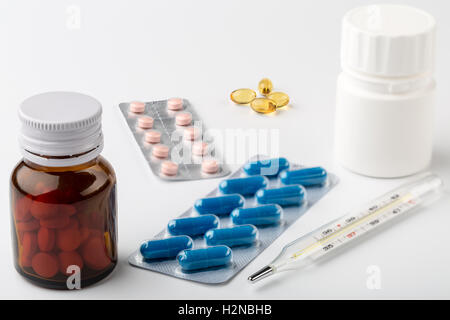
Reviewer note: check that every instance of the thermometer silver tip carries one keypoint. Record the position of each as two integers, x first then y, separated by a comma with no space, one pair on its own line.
264,272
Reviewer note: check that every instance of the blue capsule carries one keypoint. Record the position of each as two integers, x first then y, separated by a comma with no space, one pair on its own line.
235,236
165,248
195,259
269,167
219,205
262,215
284,196
244,186
192,226
307,177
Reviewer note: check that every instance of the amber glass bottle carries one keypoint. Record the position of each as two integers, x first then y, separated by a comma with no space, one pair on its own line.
63,194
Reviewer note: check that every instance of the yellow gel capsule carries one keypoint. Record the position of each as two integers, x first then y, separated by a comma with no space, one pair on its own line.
265,86
243,96
281,99
263,105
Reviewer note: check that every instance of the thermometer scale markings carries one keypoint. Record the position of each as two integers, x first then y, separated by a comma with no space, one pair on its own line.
352,219
356,221
372,224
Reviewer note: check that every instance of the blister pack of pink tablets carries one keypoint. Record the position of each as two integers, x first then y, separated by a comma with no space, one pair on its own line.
173,140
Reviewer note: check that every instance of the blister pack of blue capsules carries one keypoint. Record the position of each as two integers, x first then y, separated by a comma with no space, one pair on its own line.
225,230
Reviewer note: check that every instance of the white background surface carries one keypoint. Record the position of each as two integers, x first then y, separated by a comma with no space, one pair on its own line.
202,50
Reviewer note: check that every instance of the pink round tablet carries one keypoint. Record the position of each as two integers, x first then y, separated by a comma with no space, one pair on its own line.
145,122
200,148
191,133
153,136
210,166
160,151
169,168
183,119
175,104
137,107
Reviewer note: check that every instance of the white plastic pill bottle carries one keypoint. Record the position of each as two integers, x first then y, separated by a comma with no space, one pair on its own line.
385,93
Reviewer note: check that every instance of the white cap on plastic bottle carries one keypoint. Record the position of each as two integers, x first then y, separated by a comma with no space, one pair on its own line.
388,40
60,128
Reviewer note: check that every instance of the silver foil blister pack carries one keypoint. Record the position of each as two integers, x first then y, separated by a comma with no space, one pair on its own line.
242,255
173,136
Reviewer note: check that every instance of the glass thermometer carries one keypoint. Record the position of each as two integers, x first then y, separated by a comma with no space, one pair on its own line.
348,228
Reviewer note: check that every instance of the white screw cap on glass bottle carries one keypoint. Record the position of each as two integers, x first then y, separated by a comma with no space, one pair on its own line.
60,129
385,93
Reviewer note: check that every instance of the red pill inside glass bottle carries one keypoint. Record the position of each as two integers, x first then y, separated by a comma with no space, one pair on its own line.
63,194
